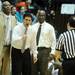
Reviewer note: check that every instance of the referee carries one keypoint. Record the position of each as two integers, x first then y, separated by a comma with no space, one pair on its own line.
66,44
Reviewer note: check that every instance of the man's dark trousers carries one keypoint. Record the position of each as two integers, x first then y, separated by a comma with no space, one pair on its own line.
21,63
42,64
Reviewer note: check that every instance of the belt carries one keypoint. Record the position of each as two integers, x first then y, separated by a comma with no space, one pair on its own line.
42,48
7,45
20,49
27,49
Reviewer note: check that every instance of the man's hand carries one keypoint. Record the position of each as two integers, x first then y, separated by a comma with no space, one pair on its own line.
34,59
51,57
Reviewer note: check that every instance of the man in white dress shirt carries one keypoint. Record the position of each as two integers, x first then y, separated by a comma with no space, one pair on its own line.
23,46
46,42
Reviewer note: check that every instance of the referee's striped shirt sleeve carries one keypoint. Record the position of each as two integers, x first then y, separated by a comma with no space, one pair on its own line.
60,42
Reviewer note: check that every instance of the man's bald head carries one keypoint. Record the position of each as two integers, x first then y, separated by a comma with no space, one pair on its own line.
6,7
41,12
41,16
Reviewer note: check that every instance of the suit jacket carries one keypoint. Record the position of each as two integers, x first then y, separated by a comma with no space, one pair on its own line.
2,31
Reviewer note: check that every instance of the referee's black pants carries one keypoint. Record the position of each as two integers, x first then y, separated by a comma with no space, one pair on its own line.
21,63
68,66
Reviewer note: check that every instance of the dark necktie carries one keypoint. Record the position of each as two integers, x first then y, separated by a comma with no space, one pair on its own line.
38,34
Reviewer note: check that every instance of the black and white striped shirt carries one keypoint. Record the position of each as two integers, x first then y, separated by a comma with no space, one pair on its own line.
66,43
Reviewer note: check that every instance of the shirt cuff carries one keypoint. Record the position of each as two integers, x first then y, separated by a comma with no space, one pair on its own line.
52,52
35,55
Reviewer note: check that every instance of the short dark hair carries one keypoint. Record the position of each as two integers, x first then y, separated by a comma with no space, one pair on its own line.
27,15
71,21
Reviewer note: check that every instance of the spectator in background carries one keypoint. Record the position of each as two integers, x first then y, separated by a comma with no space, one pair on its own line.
31,10
14,2
20,13
13,10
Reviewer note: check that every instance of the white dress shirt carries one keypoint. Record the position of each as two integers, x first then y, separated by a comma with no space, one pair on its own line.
17,41
8,29
47,37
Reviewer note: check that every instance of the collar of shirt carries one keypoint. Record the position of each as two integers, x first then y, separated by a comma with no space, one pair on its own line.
5,18
24,28
42,23
7,15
